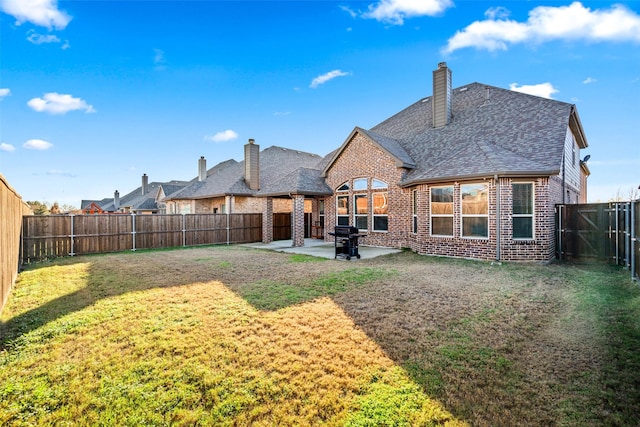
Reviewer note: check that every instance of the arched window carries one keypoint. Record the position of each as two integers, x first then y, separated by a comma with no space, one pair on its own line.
370,204
359,184
342,205
376,184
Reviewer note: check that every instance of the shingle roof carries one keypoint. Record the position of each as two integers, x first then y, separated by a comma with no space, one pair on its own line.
300,181
276,163
492,131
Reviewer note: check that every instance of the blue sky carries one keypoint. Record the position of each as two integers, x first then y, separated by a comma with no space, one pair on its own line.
95,93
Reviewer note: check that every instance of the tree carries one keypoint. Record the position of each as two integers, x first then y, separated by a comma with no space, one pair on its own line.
39,208
632,194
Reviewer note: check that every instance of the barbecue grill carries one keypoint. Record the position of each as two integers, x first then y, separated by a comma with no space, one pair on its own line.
346,241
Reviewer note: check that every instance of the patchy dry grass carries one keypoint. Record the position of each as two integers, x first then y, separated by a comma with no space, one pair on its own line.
235,336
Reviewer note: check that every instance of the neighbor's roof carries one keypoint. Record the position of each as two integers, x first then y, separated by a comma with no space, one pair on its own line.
276,163
492,131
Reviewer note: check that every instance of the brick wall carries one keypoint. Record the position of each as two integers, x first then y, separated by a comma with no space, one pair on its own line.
363,159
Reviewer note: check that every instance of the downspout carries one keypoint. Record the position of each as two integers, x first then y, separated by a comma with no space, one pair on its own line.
497,217
564,175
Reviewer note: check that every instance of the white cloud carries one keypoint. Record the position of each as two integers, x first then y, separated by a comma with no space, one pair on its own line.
57,103
44,13
4,92
36,38
498,12
589,80
282,113
326,77
37,144
395,11
544,90
545,23
223,136
7,147
350,11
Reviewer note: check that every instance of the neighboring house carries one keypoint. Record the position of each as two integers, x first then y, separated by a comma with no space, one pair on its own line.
145,199
243,187
472,172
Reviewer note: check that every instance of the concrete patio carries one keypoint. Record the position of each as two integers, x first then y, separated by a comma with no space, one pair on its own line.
320,248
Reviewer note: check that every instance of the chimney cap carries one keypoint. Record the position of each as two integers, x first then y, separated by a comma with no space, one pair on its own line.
202,157
251,140
442,64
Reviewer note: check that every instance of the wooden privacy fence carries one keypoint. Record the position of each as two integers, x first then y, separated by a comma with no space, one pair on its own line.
12,209
600,232
51,236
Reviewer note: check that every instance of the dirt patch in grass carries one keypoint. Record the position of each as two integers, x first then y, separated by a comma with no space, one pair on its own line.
236,336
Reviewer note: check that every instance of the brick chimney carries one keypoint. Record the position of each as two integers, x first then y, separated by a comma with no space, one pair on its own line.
116,200
202,169
441,105
145,184
252,165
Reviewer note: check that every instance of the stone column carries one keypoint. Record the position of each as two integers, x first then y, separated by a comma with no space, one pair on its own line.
267,221
297,222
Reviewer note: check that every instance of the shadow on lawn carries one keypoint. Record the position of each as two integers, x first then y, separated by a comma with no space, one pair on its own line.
117,278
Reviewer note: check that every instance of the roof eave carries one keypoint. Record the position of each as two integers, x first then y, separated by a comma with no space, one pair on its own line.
398,162
295,192
503,174
576,127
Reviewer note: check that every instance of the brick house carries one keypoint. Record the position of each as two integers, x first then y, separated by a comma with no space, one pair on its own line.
274,180
472,172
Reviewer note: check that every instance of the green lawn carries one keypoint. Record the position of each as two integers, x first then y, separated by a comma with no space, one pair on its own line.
234,336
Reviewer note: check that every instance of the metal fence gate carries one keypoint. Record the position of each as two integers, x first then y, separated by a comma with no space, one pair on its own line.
600,232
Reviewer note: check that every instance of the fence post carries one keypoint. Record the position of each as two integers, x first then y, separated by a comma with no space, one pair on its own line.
228,229
72,253
184,231
627,235
617,220
560,231
133,231
634,241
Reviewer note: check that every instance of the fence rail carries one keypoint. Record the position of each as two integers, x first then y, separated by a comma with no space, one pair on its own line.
600,232
51,236
12,209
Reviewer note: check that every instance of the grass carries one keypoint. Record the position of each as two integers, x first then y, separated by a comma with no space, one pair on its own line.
233,336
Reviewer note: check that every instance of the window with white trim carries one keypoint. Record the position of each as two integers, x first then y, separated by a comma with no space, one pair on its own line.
376,184
475,210
321,212
522,197
361,211
359,184
442,211
342,205
380,211
342,209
